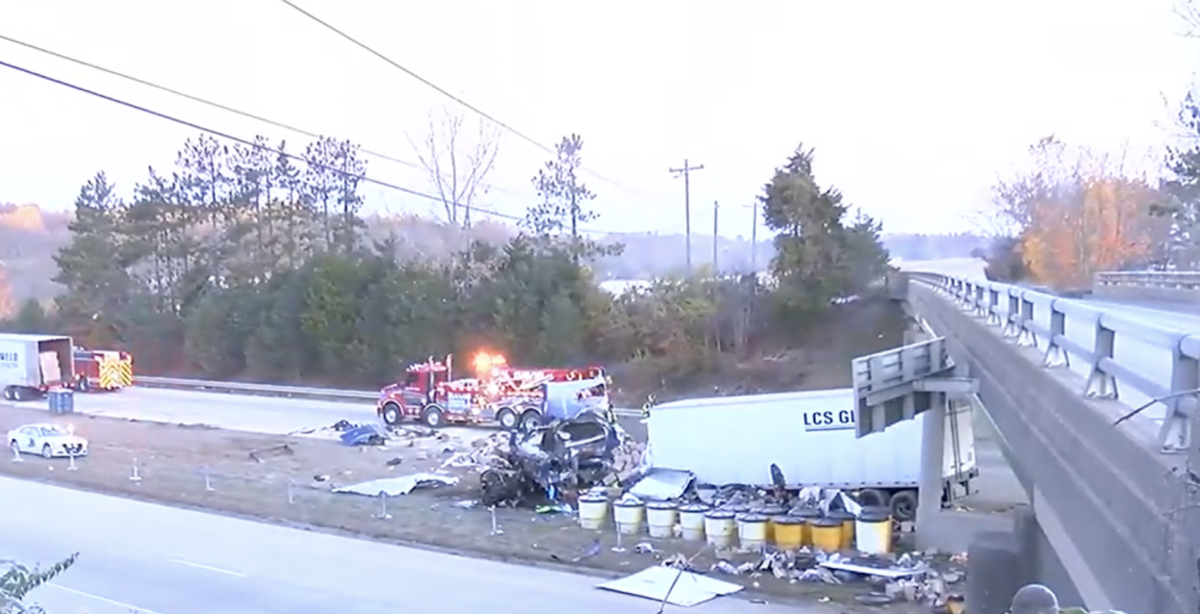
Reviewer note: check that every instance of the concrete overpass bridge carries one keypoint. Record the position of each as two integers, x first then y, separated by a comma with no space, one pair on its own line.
1094,402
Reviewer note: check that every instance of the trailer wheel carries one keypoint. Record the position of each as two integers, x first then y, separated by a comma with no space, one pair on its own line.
432,417
8,393
531,419
873,497
507,418
904,505
391,414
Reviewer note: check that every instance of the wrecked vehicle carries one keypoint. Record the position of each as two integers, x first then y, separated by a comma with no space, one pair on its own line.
551,461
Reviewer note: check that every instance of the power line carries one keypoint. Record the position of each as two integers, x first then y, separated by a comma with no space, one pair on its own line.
215,105
440,90
249,143
686,172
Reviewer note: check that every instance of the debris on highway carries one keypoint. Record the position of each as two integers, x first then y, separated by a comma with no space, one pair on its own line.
395,487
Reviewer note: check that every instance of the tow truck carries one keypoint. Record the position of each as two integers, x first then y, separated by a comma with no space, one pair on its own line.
513,398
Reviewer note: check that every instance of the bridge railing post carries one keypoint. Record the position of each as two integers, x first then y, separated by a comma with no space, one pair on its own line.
993,318
1100,384
1012,319
1026,336
1175,434
1056,356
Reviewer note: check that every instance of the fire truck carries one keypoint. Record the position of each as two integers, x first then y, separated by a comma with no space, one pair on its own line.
514,398
102,370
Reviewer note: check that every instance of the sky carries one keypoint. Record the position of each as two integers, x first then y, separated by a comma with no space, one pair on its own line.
913,108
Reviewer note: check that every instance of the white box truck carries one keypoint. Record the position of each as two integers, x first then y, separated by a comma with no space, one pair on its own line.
32,364
810,437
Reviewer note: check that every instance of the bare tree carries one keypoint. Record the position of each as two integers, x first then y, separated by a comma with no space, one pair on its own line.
458,163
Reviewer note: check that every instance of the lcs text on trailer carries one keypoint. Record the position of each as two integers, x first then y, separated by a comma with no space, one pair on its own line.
32,364
810,436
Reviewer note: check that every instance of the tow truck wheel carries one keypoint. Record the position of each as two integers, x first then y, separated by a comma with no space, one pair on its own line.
530,420
391,414
507,418
432,416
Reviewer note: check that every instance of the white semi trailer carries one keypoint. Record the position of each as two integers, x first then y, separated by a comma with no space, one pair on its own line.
32,364
810,437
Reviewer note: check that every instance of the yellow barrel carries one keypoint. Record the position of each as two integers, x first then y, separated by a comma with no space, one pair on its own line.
691,521
720,528
629,515
593,511
661,518
752,530
807,514
873,531
789,532
771,511
847,520
826,534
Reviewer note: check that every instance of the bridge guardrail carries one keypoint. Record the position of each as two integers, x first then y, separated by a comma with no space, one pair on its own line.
256,389
1154,516
1016,308
1169,280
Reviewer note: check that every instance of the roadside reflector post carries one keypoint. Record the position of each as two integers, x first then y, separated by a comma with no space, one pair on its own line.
207,479
383,513
291,491
133,472
71,460
496,530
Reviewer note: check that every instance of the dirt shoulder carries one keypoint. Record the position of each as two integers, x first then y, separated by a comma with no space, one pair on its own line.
289,480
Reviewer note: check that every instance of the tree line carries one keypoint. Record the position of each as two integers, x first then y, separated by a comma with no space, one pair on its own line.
252,261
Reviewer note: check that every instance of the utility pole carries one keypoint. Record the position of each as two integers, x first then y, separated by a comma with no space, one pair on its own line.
754,241
716,222
686,171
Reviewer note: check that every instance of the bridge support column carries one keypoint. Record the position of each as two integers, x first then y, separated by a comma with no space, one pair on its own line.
933,454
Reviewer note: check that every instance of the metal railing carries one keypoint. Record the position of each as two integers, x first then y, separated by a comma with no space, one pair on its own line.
1170,280
1035,319
255,389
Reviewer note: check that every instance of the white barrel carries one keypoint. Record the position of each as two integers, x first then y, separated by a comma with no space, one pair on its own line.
691,521
720,528
593,511
661,518
629,516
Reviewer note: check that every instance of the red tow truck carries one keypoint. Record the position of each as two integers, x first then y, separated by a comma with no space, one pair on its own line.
500,394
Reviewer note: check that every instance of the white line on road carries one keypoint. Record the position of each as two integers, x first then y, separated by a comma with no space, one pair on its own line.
209,568
112,602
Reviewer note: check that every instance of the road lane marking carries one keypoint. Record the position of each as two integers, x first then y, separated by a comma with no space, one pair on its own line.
227,572
112,602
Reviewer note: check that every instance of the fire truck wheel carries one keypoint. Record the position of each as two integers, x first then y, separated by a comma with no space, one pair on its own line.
391,414
84,384
531,419
507,418
432,416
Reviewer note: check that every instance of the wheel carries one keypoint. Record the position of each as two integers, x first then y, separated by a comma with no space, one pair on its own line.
904,505
84,385
507,418
8,393
18,394
432,416
392,414
873,497
530,420
47,452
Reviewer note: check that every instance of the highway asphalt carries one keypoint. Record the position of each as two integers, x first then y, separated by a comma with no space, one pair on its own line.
158,560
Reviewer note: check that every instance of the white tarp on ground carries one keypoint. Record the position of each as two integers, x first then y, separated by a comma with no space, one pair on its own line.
676,587
394,487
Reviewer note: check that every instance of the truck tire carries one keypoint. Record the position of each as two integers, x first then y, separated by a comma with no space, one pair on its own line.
507,418
392,416
531,419
904,505
873,497
18,394
84,385
432,417
8,393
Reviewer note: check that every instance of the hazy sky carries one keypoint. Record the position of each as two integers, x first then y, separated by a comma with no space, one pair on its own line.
913,107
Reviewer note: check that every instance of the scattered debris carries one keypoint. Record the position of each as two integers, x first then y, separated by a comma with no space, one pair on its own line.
663,485
282,449
673,586
394,487
363,435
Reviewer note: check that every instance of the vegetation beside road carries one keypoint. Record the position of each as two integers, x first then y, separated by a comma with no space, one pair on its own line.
244,262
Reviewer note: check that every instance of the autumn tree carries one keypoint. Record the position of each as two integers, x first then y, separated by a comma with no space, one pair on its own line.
1076,212
457,161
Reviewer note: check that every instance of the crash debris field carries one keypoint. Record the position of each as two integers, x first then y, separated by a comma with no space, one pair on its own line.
291,480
